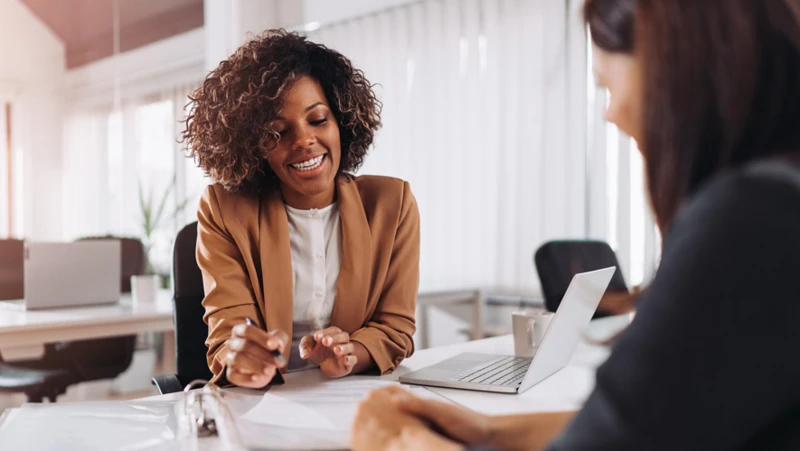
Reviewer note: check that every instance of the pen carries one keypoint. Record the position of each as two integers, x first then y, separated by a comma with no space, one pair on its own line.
278,356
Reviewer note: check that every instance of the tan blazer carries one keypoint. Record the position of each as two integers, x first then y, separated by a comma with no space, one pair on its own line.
244,254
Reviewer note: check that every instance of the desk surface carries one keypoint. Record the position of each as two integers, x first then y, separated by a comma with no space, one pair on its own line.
22,333
565,390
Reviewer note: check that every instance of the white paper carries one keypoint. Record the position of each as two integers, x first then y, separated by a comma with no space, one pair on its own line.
328,406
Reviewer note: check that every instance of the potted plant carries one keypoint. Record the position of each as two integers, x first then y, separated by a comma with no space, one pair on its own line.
154,216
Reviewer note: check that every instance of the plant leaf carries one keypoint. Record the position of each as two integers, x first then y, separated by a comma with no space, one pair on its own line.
163,203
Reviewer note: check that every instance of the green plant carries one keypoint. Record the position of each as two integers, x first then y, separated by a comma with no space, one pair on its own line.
153,216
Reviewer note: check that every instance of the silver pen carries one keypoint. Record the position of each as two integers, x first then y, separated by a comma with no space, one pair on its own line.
275,352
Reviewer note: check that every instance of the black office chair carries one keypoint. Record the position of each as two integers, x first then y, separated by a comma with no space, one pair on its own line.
187,312
558,261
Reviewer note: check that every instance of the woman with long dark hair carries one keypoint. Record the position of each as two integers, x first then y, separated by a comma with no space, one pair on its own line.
710,90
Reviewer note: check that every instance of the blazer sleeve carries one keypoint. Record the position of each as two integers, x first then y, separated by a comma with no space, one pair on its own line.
229,296
387,335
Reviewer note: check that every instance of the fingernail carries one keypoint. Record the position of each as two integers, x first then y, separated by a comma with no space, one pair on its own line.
339,349
351,359
271,343
267,370
328,340
254,378
318,336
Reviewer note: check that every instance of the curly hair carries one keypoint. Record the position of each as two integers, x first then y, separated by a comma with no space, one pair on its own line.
229,129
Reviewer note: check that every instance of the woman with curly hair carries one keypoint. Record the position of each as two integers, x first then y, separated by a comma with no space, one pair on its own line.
323,264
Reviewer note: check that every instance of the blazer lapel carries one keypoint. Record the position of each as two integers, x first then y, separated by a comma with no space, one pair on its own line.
276,266
353,288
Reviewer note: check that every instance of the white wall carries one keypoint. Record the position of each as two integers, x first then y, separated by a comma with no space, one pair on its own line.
31,67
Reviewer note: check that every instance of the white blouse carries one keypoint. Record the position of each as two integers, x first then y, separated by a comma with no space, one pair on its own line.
315,238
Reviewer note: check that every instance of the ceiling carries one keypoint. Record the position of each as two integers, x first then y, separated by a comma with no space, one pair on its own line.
86,26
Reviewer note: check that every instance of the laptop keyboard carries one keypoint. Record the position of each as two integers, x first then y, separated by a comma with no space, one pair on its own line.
502,371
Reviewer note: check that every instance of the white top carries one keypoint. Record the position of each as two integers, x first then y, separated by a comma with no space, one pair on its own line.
315,237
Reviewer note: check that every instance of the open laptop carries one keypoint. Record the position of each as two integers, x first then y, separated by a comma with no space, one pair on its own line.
61,275
509,374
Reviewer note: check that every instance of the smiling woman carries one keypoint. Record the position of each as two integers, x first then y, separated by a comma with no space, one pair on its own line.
325,264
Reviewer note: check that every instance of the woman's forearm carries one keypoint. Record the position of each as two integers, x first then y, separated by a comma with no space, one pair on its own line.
527,432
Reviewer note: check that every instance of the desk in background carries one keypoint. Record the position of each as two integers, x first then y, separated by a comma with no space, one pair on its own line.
23,334
478,301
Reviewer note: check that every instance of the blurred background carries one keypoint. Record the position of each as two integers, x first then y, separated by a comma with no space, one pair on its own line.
490,111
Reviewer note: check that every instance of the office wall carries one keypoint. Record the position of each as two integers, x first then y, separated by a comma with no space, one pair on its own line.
326,11
31,67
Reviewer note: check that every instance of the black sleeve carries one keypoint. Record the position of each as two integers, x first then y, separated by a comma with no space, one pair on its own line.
711,357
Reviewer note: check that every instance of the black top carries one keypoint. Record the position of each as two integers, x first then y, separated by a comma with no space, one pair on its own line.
712,359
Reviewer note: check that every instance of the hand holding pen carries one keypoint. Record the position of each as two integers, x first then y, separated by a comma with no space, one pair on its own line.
254,355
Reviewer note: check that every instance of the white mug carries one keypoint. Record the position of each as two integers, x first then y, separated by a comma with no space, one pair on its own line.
144,289
529,328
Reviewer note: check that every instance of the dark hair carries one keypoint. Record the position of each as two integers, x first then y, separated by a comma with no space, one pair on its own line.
229,127
611,24
721,85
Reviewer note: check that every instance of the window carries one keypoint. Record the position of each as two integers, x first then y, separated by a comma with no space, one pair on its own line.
126,175
6,216
622,214
11,221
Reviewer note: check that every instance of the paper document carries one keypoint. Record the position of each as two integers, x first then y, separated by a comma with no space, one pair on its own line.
328,406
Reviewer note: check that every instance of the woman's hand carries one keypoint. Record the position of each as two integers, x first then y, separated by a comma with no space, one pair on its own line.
511,432
458,423
332,350
378,425
250,361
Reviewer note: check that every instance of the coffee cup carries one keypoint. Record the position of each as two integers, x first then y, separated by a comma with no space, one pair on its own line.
529,328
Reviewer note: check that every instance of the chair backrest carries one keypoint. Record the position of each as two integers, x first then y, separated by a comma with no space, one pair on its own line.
12,269
558,261
190,329
134,258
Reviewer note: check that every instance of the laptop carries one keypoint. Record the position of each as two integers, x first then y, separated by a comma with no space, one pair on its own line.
59,275
509,374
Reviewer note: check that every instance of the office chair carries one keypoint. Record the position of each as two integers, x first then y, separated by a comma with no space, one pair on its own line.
187,309
36,384
558,261
69,363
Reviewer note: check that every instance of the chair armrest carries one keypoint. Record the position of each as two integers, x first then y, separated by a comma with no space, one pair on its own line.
167,384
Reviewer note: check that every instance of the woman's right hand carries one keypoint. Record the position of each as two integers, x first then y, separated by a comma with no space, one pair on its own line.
250,362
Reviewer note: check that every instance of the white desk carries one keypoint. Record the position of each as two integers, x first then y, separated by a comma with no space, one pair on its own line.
23,334
565,390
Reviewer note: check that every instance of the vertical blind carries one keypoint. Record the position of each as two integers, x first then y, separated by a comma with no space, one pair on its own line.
130,153
485,113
